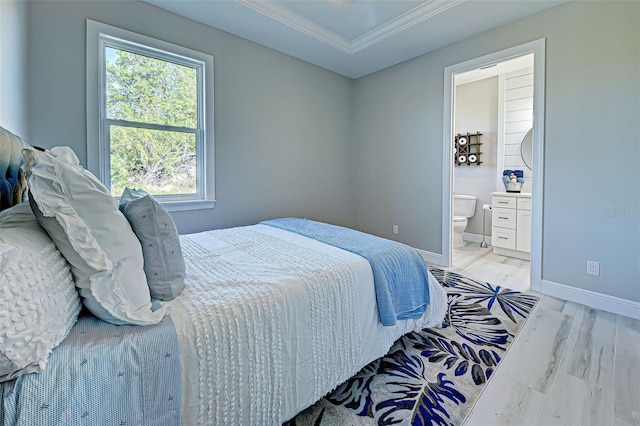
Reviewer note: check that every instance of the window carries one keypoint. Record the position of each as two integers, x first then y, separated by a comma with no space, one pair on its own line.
148,106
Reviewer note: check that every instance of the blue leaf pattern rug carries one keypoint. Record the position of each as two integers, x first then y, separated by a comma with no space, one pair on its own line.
431,377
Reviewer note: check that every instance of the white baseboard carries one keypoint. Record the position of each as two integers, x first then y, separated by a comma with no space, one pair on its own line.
431,257
604,302
523,255
475,238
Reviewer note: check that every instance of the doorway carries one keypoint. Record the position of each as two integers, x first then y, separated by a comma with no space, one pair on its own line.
465,72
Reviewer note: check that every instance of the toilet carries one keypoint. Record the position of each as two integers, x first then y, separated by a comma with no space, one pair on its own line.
464,208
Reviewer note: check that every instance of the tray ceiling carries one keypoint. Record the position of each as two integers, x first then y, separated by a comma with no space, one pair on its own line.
355,37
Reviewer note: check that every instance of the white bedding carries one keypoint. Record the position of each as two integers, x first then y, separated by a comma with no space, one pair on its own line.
270,321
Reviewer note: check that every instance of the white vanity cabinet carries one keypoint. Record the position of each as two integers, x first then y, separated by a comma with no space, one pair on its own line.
511,224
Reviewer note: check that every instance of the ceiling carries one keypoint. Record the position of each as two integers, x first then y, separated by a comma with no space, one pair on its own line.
355,37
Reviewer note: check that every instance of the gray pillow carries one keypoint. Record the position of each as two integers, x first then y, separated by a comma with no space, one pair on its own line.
152,224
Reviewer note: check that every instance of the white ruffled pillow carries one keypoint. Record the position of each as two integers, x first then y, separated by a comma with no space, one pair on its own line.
83,219
38,300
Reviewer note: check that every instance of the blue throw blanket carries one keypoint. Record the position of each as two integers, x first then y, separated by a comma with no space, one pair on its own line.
400,275
101,374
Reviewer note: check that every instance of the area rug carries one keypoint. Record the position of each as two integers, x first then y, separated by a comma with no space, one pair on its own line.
435,376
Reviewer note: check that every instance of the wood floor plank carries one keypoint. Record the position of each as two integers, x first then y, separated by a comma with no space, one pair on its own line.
618,422
549,336
627,370
508,402
547,332
573,401
558,305
590,348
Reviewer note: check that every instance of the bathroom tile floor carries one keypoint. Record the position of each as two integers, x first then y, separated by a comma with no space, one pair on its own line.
482,264
569,365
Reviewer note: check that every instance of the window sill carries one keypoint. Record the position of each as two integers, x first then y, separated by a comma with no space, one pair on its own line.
177,206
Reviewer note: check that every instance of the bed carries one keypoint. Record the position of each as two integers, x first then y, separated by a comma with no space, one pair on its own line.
264,320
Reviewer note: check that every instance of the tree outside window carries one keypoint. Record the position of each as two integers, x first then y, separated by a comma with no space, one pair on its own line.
142,91
151,123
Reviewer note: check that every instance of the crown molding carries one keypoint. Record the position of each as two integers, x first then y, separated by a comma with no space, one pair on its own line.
408,19
286,16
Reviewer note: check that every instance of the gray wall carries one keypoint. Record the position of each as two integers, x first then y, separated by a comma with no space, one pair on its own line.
282,126
13,71
397,149
476,110
592,143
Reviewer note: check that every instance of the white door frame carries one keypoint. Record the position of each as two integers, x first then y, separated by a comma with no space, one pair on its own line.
537,47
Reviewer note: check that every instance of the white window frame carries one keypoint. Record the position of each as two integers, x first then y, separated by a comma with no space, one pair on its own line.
100,36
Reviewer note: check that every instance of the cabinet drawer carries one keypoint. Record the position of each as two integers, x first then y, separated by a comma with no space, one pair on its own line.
524,203
503,237
504,218
507,202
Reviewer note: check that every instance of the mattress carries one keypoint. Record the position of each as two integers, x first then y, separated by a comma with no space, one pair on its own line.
270,321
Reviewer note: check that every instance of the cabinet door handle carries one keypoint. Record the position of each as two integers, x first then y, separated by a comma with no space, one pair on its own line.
502,217
503,202
503,238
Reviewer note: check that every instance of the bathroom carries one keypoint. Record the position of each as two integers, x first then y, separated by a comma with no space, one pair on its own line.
493,114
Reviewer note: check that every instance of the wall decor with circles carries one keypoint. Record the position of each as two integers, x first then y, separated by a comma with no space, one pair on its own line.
467,149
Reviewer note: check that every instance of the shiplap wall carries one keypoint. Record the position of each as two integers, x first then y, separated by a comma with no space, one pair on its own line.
518,119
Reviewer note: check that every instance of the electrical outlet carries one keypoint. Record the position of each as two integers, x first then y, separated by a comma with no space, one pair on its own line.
593,268
395,229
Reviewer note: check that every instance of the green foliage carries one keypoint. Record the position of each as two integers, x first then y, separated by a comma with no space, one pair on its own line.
158,161
141,89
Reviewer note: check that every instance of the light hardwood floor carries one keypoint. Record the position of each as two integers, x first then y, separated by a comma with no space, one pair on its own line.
569,365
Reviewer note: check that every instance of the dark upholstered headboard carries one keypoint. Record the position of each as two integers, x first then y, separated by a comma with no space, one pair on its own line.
12,183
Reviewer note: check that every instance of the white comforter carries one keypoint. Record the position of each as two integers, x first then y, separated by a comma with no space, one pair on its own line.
270,321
